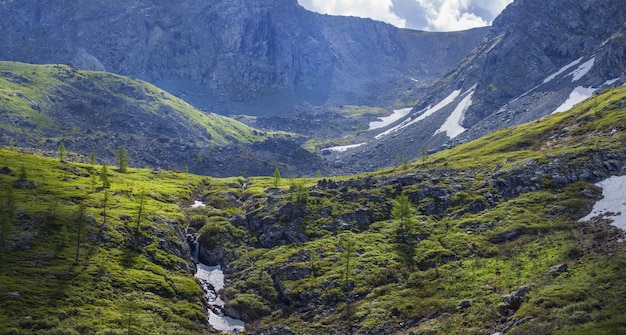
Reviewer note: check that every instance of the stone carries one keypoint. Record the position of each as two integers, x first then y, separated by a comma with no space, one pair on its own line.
557,269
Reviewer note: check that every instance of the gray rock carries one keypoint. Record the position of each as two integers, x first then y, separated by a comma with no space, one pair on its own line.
557,269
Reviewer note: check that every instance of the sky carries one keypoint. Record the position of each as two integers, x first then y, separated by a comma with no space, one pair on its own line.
429,15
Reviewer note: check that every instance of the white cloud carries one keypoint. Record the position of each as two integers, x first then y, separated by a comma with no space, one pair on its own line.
432,15
375,9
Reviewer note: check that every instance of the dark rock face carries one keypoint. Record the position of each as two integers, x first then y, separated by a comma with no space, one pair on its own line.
228,51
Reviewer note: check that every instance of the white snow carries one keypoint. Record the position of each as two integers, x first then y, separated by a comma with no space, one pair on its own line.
578,94
213,276
452,127
583,69
226,324
611,82
198,204
345,147
613,202
387,120
563,69
424,114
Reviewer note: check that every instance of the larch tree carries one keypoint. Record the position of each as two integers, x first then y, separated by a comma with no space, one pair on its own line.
122,159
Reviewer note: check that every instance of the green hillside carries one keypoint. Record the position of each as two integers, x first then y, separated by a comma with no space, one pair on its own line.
479,239
29,94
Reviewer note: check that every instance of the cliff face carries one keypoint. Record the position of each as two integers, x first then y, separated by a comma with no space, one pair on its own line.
232,50
539,57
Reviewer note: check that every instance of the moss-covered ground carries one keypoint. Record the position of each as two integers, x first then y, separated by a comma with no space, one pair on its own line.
475,257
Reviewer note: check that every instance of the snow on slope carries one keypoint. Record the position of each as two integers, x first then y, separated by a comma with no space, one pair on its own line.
583,69
385,121
452,127
344,147
613,203
578,94
424,114
563,69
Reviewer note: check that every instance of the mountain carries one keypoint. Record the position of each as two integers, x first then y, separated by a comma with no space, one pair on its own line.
538,58
234,57
491,236
46,105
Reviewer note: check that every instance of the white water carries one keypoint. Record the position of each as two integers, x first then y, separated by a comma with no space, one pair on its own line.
212,280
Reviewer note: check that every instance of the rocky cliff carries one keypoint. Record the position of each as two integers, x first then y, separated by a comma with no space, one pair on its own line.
539,57
218,53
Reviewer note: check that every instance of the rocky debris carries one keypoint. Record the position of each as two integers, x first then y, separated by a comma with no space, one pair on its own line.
465,304
506,237
5,170
557,269
26,184
513,301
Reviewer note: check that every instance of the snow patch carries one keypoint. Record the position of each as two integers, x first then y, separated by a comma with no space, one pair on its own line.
345,147
578,94
212,280
198,204
424,114
387,120
452,127
563,69
583,69
613,203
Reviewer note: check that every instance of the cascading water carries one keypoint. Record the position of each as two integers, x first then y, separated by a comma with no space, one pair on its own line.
212,280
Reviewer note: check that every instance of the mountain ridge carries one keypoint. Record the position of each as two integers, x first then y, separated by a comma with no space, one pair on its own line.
45,105
234,51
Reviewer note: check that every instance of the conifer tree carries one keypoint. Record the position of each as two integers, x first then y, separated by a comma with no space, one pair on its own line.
61,152
140,212
80,223
403,212
122,159
104,176
276,177
92,158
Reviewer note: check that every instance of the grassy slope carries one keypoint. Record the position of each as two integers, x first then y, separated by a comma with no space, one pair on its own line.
393,285
27,90
45,290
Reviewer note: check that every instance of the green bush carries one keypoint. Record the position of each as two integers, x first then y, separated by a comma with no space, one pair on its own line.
250,306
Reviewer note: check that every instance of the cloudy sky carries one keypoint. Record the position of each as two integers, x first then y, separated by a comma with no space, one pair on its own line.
431,15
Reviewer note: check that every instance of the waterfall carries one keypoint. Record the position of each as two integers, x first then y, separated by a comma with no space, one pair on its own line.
211,279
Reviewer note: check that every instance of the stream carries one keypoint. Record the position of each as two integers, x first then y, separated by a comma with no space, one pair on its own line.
212,280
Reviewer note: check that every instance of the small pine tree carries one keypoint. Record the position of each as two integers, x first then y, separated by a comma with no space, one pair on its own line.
348,249
61,152
92,158
276,177
403,212
105,202
122,159
104,176
80,224
140,211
